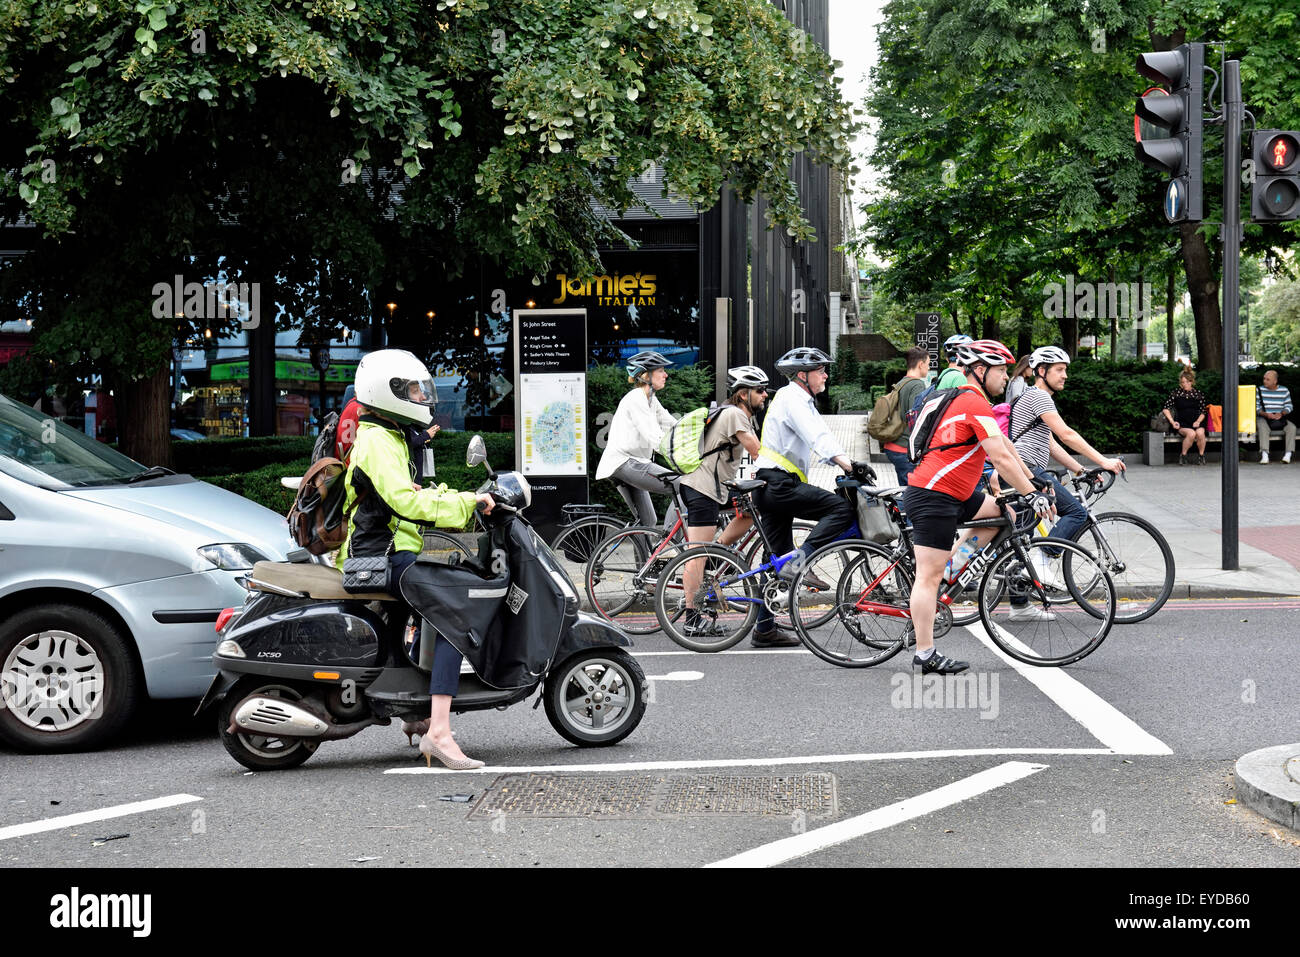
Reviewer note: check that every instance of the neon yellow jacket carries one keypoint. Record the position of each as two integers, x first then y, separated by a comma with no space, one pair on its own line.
383,457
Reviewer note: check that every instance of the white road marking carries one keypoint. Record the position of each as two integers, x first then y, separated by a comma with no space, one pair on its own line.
1099,717
755,762
87,817
678,676
762,652
786,849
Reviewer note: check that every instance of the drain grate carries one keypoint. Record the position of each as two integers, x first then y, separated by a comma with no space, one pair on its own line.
658,796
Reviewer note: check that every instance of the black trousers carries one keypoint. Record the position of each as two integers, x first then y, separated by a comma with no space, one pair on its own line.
785,498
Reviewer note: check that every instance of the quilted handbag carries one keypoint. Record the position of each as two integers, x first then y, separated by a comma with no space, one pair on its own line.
365,574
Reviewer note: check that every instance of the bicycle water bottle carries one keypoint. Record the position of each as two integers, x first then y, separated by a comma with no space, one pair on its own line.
957,564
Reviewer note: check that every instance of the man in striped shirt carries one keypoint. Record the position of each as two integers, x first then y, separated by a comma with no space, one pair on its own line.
1272,406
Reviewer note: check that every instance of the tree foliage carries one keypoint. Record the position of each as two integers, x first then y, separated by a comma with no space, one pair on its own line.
1005,146
328,148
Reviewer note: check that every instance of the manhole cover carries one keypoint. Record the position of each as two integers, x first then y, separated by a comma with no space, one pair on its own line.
658,796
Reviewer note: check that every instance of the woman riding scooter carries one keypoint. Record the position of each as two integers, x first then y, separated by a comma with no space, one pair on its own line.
396,391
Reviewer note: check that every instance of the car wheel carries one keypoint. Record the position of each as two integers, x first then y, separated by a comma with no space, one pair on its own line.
67,679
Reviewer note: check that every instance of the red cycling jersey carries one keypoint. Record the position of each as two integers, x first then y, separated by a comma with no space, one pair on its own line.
957,471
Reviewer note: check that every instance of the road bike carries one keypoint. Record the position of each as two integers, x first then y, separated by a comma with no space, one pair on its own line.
1134,553
625,568
733,590
869,618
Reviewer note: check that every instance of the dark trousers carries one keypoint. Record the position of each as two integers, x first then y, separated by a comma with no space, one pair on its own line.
444,677
903,466
785,498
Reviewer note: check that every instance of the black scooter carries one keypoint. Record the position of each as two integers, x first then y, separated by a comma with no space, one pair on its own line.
304,661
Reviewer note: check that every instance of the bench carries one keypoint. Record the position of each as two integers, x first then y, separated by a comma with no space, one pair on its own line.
1155,443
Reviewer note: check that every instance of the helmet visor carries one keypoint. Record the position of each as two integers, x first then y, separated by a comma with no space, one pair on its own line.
419,391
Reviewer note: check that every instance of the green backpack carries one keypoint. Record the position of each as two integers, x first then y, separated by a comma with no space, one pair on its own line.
682,447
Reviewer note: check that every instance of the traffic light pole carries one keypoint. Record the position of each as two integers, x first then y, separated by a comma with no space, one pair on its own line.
1232,118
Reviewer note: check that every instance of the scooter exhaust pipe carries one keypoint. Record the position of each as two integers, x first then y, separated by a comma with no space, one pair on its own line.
278,718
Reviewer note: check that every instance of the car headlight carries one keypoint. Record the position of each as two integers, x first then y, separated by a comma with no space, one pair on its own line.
232,557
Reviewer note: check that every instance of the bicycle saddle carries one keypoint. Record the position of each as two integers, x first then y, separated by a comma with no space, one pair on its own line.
748,485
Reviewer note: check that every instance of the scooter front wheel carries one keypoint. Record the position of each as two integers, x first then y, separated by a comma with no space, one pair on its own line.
596,698
260,752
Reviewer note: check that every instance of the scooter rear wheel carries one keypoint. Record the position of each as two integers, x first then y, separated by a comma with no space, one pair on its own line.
596,698
258,752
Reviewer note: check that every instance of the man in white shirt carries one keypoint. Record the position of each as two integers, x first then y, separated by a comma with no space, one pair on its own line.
794,435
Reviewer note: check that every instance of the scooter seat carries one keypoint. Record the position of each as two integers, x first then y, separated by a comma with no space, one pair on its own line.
317,581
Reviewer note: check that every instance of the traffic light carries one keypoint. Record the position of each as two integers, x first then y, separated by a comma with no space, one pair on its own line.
1179,111
1275,193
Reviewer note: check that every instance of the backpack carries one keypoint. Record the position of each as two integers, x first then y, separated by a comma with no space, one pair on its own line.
682,447
886,423
325,441
925,420
1006,426
909,421
317,520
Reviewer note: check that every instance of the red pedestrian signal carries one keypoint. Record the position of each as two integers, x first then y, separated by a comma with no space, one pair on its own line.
1275,193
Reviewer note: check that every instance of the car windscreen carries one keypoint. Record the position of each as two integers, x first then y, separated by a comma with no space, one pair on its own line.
41,450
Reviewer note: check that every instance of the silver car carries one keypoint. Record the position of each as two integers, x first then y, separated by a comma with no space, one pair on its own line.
112,576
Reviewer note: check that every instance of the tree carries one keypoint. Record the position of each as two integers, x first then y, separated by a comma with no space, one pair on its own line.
1005,145
258,141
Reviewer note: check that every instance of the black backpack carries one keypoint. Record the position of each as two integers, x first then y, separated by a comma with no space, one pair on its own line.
925,418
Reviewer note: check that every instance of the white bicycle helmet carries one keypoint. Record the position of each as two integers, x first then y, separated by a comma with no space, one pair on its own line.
952,342
746,377
1048,355
395,383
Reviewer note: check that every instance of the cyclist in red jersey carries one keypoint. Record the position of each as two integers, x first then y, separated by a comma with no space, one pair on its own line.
941,491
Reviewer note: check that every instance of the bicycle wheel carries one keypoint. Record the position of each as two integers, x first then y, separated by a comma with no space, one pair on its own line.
575,544
829,622
622,576
439,546
755,556
1138,558
1056,623
727,603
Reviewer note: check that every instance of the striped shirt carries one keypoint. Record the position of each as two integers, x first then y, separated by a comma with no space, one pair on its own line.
1274,400
1031,436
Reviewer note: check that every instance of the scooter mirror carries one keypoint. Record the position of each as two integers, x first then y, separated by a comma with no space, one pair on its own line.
476,454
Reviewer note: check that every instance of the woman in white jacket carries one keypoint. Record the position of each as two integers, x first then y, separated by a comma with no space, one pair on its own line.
634,434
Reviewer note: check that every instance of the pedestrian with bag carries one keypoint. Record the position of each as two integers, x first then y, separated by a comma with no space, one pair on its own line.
905,392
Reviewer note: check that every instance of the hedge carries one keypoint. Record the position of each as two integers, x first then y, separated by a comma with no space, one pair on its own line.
262,485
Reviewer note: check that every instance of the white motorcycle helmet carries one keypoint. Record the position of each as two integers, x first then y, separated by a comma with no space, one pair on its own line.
393,382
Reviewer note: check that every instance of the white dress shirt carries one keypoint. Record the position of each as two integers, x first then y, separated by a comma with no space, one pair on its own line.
638,426
794,428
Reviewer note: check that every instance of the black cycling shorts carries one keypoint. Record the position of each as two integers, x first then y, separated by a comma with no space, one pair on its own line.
701,510
936,515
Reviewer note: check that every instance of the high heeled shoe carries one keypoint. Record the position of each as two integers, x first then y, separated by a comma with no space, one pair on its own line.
415,729
431,751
